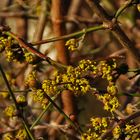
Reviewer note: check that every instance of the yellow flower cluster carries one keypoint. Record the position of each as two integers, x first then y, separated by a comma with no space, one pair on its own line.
3,43
9,55
99,126
13,51
111,88
106,69
8,136
127,130
89,135
21,134
31,80
71,80
38,96
97,123
116,132
10,111
75,84
103,69
76,80
72,44
75,77
130,131
110,102
37,91
49,86
21,100
4,95
10,77
87,65
28,57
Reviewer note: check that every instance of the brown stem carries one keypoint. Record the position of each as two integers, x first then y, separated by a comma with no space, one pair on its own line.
73,10
114,27
59,30
41,22
62,52
22,25
94,4
2,20
79,19
29,47
126,43
20,14
22,31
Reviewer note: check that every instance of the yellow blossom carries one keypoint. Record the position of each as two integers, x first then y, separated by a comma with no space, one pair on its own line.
116,132
10,111
21,134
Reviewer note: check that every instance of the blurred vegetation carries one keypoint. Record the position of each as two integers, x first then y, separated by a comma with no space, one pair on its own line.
70,70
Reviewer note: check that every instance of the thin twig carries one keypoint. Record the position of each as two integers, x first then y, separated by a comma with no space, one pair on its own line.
28,90
35,51
42,113
118,53
136,126
62,128
63,113
41,22
120,114
16,104
67,97
123,7
121,123
17,14
115,28
75,34
29,46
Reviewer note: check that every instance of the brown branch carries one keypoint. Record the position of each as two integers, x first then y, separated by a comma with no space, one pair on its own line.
8,3
118,53
75,18
29,47
62,54
62,128
73,10
94,4
41,22
22,31
22,25
79,19
59,30
72,35
17,14
114,27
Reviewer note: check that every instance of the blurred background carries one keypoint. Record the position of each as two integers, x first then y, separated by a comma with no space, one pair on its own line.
44,19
